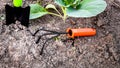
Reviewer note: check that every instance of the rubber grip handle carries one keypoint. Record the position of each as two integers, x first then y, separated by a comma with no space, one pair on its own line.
72,33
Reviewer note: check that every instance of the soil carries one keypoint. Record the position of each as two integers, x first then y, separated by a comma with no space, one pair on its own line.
19,50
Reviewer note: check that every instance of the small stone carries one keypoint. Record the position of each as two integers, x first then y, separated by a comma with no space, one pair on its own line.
100,23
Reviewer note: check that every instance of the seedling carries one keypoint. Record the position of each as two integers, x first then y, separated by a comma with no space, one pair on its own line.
71,33
70,8
16,12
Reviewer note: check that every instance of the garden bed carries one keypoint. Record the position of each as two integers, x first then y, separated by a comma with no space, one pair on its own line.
19,50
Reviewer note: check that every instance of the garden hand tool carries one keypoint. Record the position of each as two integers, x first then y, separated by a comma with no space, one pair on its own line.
17,12
71,33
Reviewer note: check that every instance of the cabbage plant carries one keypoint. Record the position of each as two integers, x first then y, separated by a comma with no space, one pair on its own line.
70,8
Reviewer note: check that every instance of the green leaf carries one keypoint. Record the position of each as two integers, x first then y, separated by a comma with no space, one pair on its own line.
50,6
76,3
87,8
68,3
60,2
17,3
37,11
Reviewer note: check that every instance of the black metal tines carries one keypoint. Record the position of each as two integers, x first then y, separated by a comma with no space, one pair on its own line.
48,32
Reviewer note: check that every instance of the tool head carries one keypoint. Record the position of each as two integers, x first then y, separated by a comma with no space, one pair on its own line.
17,13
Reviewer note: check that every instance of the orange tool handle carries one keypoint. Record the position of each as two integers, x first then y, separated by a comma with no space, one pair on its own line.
72,33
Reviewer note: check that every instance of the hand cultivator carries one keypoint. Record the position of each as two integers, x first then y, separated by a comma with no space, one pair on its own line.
71,33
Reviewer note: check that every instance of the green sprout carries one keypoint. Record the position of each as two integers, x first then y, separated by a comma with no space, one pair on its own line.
17,3
70,8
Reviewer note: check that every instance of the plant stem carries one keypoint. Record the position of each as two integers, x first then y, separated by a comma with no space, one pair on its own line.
55,14
58,12
64,12
64,17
